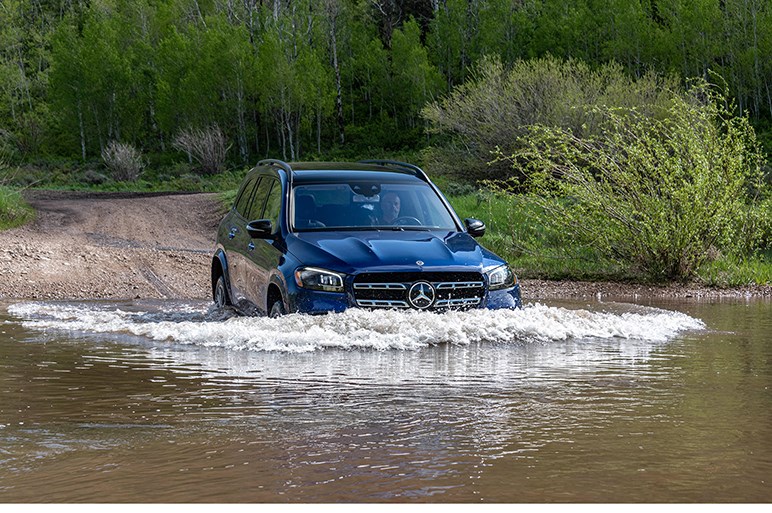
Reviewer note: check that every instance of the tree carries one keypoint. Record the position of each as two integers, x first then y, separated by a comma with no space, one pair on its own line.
415,81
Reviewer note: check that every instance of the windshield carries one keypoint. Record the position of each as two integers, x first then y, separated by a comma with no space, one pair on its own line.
369,205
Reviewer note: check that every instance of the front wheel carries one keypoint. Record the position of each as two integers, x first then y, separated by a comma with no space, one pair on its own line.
277,309
221,299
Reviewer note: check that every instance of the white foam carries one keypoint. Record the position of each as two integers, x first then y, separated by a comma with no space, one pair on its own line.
355,328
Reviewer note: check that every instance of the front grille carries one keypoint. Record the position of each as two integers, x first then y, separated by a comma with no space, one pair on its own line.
392,290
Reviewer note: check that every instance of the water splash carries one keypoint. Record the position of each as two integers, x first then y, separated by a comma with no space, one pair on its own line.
204,326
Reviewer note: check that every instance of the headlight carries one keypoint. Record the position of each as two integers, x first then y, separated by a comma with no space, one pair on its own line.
319,279
500,277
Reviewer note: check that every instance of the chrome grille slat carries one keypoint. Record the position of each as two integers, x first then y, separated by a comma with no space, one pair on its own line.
458,285
380,286
470,301
382,303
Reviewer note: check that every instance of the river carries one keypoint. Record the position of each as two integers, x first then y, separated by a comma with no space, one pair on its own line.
558,402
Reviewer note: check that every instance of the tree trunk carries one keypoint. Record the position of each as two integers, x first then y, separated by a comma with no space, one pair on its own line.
319,130
241,112
82,132
333,10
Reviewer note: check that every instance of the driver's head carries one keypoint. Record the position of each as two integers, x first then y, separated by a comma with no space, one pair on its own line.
390,206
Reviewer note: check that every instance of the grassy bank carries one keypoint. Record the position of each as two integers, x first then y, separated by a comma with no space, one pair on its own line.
14,211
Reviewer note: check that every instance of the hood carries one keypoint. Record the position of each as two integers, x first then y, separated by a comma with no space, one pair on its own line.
390,250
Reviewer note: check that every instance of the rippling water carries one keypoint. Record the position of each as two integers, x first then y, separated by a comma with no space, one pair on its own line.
175,402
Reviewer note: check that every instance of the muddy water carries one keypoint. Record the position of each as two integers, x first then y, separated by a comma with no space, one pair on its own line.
600,402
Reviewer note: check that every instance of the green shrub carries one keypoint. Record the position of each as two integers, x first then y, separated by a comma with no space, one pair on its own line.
494,109
14,211
660,196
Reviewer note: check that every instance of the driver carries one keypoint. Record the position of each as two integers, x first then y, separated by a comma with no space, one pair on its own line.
390,203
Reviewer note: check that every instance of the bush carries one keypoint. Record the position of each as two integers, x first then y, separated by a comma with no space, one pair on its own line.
660,196
493,109
14,211
124,161
206,146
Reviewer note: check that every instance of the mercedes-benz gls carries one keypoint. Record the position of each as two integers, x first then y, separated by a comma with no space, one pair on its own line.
324,237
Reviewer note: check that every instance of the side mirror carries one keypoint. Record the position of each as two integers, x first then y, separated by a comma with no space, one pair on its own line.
474,227
260,229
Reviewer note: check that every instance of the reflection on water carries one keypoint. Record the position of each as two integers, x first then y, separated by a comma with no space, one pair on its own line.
168,402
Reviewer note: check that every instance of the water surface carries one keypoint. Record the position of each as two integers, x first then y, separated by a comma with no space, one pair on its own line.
573,402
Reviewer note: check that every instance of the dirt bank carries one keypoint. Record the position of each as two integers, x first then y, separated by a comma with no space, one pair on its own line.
143,246
111,246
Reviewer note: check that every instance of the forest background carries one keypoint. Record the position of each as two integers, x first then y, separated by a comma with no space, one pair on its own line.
83,80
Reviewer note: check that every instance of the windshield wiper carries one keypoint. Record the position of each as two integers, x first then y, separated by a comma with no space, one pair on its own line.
403,228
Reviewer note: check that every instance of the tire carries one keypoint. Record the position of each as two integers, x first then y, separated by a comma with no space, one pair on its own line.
221,299
277,309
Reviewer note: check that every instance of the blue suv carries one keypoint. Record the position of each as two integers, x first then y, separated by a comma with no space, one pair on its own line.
324,237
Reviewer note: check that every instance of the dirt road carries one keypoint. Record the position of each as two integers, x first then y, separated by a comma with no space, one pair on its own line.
111,246
155,246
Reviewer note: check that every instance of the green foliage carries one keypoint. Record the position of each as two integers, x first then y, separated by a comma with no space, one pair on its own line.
14,211
517,231
414,79
276,75
734,272
659,196
491,111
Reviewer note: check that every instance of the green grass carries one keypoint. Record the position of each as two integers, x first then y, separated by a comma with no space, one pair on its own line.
515,233
729,272
14,211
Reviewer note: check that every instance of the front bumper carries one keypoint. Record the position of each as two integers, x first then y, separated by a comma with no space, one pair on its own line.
504,298
319,302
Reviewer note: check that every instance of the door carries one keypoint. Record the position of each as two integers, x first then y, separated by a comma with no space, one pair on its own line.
235,240
264,254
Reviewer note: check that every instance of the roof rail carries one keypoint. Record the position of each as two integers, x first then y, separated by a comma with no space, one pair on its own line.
277,163
403,165
282,165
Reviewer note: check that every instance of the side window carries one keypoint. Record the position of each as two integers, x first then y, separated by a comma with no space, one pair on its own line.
245,198
273,205
258,202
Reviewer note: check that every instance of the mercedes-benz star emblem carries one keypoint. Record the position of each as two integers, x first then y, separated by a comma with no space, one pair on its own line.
421,295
